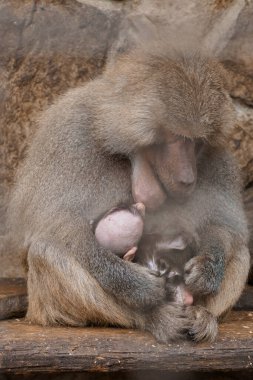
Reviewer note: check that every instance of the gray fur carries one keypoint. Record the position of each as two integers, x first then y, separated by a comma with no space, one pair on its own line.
77,168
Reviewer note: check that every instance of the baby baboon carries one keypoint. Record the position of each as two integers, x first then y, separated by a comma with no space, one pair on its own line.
120,230
166,256
151,129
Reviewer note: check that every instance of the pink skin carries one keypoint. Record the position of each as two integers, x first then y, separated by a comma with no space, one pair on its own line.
145,187
187,297
130,255
183,296
121,230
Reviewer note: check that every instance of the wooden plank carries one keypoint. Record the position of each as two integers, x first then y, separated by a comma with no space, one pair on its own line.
26,348
13,297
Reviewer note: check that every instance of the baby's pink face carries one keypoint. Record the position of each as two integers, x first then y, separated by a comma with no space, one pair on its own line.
119,231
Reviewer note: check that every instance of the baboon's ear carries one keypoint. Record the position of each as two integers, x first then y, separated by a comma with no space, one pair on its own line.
142,29
136,31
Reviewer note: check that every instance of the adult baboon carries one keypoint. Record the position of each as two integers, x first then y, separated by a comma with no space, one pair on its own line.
165,114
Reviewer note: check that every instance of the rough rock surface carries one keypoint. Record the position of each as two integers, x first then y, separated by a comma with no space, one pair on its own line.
248,200
48,46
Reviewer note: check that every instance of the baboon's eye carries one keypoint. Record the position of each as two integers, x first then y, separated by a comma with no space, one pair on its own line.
163,266
199,144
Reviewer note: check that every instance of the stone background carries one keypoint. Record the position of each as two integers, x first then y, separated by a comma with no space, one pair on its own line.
48,46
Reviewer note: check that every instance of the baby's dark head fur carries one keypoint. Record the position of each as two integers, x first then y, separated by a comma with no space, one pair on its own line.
166,257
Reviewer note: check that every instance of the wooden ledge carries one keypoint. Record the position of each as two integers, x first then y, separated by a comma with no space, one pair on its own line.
13,297
26,348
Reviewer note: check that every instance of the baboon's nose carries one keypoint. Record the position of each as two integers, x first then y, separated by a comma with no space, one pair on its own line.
186,178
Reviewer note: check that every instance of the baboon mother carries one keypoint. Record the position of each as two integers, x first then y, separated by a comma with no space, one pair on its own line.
78,167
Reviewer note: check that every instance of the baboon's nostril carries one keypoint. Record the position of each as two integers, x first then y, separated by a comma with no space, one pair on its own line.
186,177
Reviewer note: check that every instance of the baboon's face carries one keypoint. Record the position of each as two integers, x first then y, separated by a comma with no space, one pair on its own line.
173,162
168,170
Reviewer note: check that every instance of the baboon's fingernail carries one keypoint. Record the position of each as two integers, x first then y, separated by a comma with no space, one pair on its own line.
129,256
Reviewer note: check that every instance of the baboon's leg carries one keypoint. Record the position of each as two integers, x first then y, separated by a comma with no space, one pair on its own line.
236,274
60,291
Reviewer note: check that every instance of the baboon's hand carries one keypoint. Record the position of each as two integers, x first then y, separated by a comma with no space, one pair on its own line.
173,322
204,326
200,276
145,290
169,322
